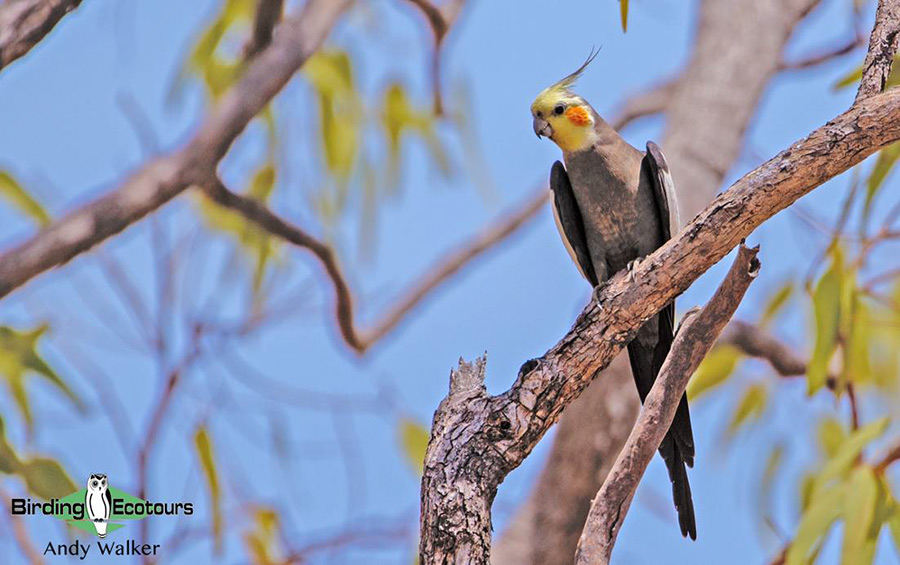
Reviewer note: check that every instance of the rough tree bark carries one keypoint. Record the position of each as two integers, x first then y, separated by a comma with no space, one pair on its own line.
24,23
739,47
478,439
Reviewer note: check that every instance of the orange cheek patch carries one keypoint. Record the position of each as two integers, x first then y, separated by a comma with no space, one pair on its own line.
578,115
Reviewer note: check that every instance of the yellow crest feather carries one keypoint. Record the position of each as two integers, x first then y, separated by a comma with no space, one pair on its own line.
568,82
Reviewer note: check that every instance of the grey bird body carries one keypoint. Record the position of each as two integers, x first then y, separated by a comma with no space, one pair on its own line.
615,204
616,201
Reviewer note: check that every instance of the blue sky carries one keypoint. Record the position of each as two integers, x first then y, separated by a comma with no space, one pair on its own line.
65,136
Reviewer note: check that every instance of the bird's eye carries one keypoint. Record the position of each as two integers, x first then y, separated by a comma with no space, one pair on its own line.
539,114
94,484
103,482
559,109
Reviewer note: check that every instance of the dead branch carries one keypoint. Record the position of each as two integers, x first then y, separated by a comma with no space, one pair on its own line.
360,340
696,336
166,177
882,48
24,23
478,439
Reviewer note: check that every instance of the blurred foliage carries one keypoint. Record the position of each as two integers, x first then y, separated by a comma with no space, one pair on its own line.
352,170
855,343
44,478
22,200
262,540
19,359
413,439
207,459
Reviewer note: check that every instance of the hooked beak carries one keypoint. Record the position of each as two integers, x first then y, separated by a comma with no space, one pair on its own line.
542,128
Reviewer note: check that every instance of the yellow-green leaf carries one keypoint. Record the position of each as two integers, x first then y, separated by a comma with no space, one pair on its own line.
887,157
750,407
46,478
9,461
893,522
714,370
832,436
848,453
208,464
826,304
19,358
815,523
859,514
19,198
414,438
261,541
856,367
776,303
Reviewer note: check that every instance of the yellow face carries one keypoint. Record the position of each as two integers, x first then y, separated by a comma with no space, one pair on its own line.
564,118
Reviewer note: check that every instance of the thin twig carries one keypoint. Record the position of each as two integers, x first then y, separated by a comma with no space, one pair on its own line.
824,56
360,340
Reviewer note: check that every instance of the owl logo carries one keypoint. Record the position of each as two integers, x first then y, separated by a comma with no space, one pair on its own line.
98,503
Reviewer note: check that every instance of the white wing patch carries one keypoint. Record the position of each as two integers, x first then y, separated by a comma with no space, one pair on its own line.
562,235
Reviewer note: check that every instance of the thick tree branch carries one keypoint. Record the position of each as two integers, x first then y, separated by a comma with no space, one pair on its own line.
695,337
478,439
166,177
882,47
24,23
360,340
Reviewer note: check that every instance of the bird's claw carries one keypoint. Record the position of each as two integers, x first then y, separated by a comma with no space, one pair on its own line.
630,268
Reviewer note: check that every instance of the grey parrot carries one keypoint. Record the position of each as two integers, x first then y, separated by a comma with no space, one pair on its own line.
614,204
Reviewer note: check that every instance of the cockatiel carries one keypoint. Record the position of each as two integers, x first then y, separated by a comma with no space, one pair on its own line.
614,204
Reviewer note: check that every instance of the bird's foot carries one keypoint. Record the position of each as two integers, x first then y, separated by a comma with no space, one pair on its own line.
630,268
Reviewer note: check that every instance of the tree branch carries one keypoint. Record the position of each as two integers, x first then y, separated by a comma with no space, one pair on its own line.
166,177
755,342
24,23
478,439
695,337
817,59
882,47
441,19
360,340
